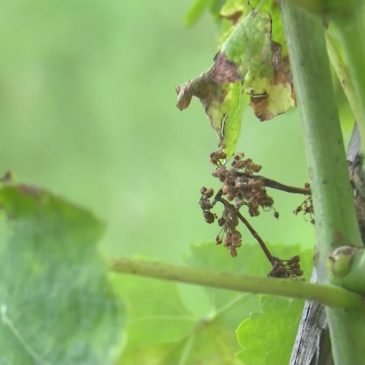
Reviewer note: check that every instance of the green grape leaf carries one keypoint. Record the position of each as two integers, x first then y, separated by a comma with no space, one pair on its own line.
199,7
165,329
152,305
248,63
267,337
211,256
196,11
220,93
57,306
233,109
233,9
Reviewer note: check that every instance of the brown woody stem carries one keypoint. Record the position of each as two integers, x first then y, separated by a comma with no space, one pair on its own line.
273,184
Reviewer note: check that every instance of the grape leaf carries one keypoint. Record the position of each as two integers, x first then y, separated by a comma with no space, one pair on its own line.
154,306
56,304
157,319
249,62
232,9
196,10
199,7
267,337
235,9
163,329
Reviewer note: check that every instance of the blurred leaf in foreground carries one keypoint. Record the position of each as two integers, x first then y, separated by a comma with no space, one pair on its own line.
165,329
56,304
267,337
199,7
196,11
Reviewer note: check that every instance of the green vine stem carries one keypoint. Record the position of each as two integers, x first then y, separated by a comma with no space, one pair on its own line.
336,221
325,294
343,76
350,28
347,17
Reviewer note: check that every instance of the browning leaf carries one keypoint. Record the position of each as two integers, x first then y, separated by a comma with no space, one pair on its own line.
279,95
212,88
250,63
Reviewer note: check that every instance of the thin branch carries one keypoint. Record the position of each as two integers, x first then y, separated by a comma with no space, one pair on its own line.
325,294
260,241
273,184
287,188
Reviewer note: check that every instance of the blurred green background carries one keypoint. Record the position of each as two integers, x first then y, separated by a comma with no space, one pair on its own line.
87,110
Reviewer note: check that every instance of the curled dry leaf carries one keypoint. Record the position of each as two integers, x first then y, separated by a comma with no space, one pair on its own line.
212,88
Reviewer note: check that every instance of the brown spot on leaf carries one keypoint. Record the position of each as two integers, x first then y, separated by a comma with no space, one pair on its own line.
234,17
30,190
259,105
224,71
209,85
281,87
210,88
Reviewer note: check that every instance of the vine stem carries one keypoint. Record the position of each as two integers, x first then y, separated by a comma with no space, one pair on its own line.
325,294
335,216
351,29
273,184
261,242
347,18
343,76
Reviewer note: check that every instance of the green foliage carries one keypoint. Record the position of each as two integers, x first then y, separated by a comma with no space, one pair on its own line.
249,44
234,105
249,62
232,7
167,326
56,304
267,337
196,10
199,7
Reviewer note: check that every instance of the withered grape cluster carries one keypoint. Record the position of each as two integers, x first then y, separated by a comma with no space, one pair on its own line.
306,207
229,235
242,187
239,184
286,268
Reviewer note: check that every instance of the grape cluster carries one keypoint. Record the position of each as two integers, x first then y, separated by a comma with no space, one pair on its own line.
286,268
229,236
242,187
306,207
240,184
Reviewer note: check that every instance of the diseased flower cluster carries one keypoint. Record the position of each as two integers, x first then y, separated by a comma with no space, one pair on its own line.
286,268
229,236
240,185
306,207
